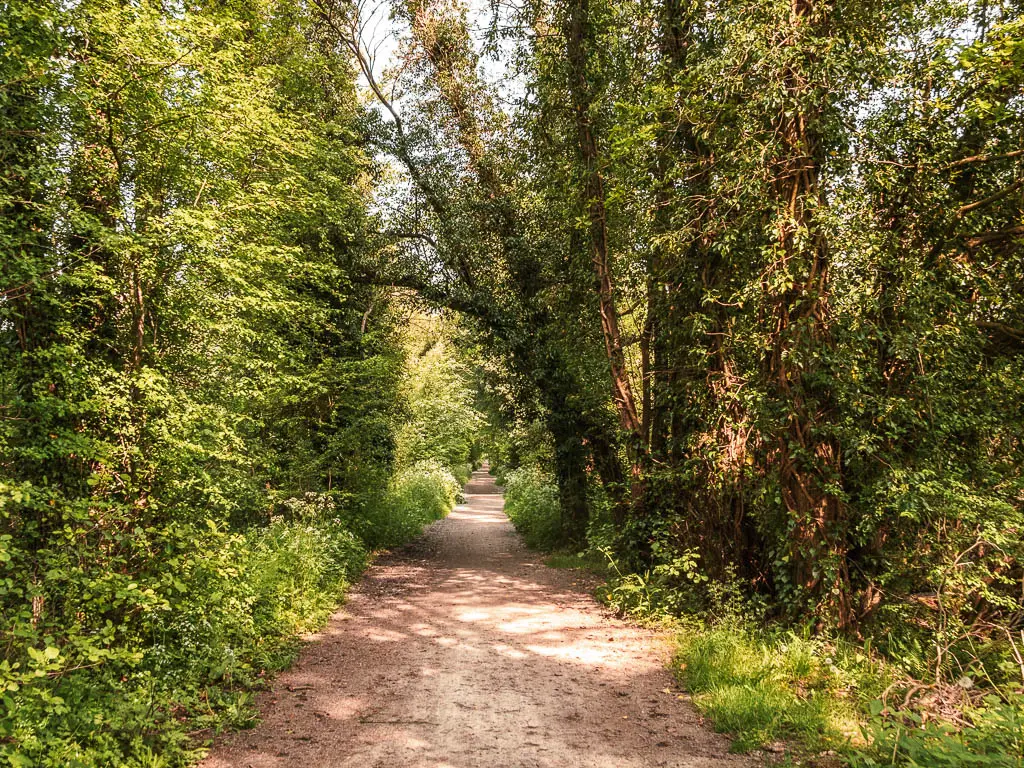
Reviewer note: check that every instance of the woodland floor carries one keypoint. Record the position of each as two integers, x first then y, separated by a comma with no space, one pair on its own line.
464,651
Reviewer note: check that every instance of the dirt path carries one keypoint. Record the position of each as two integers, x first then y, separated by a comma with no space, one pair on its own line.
465,651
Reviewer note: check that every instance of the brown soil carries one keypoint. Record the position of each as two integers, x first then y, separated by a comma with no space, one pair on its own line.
465,651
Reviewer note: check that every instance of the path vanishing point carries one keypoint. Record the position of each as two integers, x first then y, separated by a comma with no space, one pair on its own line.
463,650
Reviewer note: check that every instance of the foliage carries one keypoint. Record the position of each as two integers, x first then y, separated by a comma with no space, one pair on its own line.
212,625
992,739
443,422
762,686
753,272
416,496
779,245
589,561
531,503
670,588
515,445
789,233
744,281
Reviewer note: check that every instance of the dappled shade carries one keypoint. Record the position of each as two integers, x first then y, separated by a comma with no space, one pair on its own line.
464,650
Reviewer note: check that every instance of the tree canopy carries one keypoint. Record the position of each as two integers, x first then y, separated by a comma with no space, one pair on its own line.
742,282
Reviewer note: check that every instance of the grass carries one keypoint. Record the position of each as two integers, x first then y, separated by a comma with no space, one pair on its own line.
764,690
233,619
594,562
761,685
416,496
815,695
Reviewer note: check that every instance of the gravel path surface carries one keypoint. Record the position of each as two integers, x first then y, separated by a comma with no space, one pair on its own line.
464,651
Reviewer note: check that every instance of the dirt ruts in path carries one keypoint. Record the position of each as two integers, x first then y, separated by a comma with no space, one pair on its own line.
465,651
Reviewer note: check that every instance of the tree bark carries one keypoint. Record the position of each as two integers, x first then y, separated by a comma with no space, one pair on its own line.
808,462
578,42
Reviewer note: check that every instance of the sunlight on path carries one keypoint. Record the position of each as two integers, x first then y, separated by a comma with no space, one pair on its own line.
464,651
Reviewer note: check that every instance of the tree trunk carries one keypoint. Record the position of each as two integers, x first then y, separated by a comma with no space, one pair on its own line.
571,474
578,37
808,462
577,34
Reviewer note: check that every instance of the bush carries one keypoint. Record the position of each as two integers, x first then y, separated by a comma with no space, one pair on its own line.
427,491
463,473
417,496
994,737
194,640
531,502
666,590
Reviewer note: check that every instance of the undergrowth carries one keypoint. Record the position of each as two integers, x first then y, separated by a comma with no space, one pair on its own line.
587,561
768,684
197,638
424,492
202,637
988,733
764,684
531,503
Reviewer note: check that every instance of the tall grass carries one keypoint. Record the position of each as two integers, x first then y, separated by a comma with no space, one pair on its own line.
761,690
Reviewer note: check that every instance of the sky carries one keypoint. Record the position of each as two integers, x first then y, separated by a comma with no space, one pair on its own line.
382,36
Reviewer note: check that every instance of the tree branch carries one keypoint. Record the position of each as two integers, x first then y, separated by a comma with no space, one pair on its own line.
982,159
990,199
993,237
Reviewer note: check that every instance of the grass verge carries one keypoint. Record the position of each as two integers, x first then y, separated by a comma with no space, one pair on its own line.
202,635
764,690
817,700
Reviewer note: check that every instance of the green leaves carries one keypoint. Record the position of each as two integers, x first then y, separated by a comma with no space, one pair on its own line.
908,739
181,192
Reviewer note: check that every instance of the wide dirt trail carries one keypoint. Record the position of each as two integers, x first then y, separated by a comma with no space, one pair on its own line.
465,651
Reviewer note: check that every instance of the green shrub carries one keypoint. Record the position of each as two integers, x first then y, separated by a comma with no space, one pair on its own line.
994,737
667,582
531,502
194,640
500,472
463,473
416,496
442,421
427,491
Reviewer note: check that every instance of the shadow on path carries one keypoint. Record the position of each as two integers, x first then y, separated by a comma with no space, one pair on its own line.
463,651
